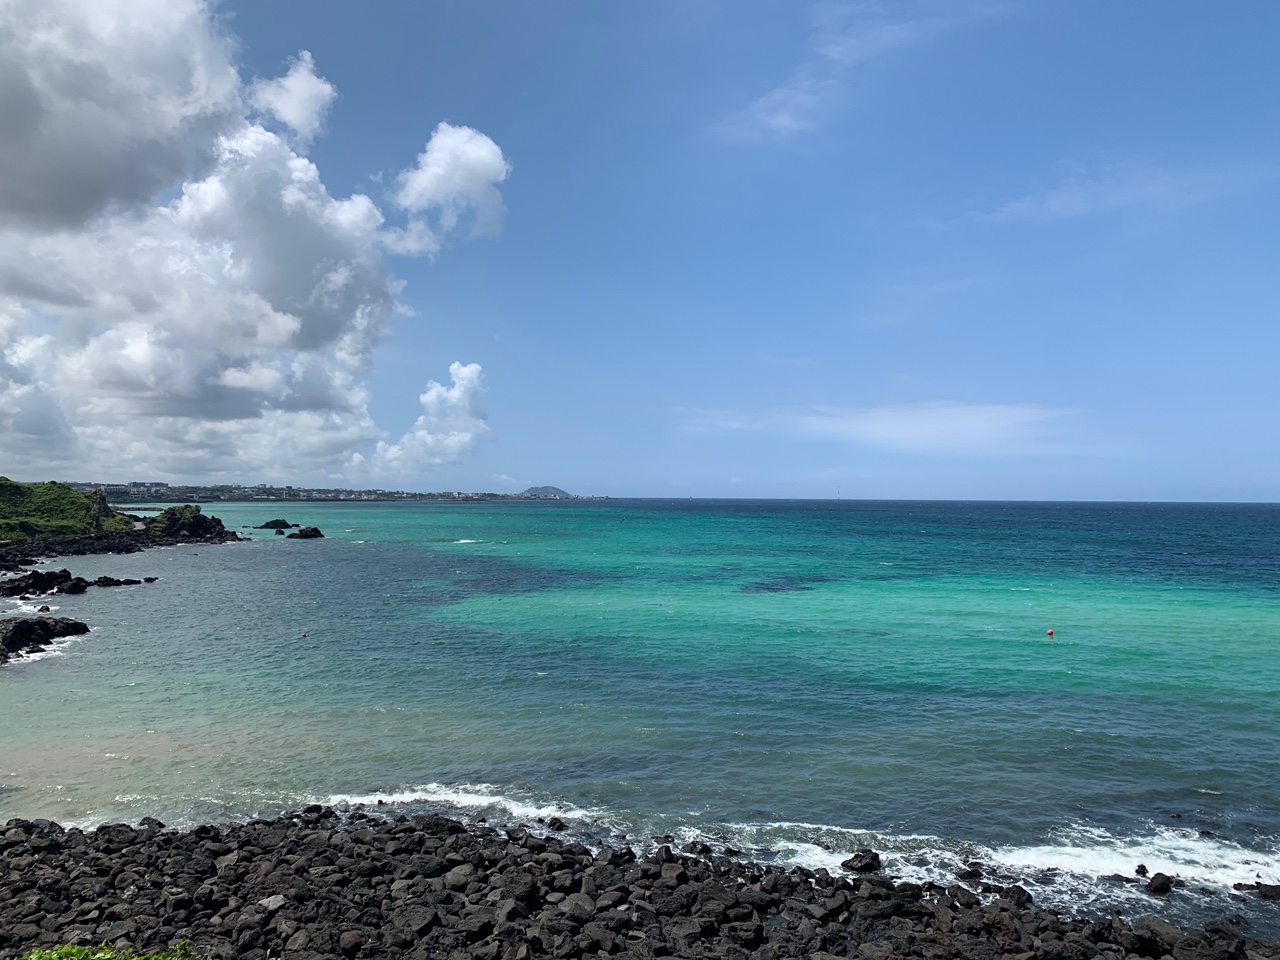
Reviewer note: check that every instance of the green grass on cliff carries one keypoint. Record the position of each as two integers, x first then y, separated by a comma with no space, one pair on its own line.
52,510
104,952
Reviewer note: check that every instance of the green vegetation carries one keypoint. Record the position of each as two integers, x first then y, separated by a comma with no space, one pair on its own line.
54,510
186,520
105,952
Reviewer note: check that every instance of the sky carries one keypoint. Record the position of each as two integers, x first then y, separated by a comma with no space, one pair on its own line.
708,248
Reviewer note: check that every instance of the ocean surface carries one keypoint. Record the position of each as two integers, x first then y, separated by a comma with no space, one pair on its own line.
793,680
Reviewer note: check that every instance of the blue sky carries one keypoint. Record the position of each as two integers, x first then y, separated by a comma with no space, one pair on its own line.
959,250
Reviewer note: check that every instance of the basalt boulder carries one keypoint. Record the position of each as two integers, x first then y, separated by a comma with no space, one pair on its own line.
864,861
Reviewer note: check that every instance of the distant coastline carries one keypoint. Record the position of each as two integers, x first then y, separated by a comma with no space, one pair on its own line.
156,492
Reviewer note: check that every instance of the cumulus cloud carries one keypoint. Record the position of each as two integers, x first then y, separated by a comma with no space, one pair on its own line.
299,99
456,175
945,427
225,329
102,104
453,418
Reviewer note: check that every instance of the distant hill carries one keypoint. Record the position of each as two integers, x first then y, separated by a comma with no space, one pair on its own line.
547,492
54,510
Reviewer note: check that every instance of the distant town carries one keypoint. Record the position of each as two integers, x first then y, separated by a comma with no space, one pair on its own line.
141,491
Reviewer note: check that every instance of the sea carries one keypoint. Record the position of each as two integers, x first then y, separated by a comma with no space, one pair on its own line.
1061,692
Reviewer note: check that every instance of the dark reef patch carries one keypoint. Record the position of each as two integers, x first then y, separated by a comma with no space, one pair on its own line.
787,584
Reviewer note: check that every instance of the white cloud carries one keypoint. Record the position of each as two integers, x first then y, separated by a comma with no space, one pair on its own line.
453,419
845,36
102,104
1081,192
299,99
456,174
945,427
229,329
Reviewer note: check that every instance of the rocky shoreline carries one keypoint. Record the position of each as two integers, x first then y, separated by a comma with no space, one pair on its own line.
17,554
317,884
20,636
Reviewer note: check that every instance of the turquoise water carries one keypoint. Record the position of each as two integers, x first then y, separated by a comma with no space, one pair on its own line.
793,679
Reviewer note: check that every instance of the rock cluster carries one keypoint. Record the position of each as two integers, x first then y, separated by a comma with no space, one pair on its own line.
15,554
314,885
275,525
306,533
35,582
19,635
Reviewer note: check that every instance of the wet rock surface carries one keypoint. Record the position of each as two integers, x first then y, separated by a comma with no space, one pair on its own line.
315,884
306,533
23,635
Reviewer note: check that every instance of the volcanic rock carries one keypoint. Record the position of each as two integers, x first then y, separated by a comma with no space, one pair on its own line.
21,635
316,884
34,581
864,861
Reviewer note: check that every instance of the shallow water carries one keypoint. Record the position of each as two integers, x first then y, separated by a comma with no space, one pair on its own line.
794,679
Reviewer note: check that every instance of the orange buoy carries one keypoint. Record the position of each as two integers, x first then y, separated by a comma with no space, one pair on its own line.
1049,633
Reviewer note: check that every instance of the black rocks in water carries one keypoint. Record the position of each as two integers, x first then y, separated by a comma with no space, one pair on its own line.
1265,891
306,533
1161,885
19,635
276,525
105,581
60,581
314,885
864,861
34,581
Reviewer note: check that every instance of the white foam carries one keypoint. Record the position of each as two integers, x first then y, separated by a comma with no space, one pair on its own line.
481,797
468,541
915,857
32,606
1093,852
57,648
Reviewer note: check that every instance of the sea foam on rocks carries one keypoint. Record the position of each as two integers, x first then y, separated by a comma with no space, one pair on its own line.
317,884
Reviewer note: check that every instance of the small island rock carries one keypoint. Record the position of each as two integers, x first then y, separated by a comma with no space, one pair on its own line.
186,521
306,533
